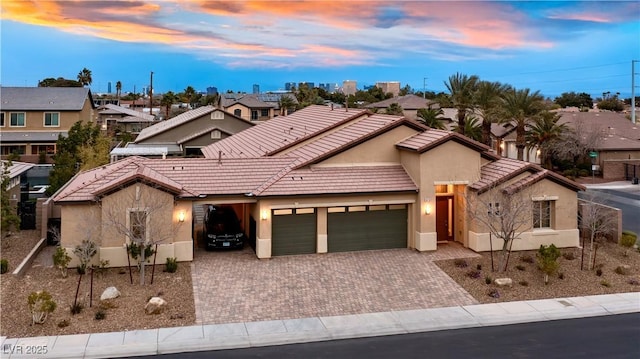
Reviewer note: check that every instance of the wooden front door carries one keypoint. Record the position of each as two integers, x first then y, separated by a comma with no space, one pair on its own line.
444,221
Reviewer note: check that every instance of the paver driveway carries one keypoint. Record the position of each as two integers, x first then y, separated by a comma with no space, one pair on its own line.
238,287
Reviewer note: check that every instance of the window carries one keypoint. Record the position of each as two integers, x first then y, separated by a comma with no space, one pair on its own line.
17,119
48,149
542,214
264,113
1,119
137,223
51,119
216,135
254,115
237,112
11,149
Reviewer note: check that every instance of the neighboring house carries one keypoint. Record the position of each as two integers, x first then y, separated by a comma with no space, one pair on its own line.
618,139
323,180
113,118
32,118
503,139
17,171
187,133
410,105
248,107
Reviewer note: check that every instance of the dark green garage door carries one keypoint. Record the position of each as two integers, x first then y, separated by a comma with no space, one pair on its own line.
293,231
367,227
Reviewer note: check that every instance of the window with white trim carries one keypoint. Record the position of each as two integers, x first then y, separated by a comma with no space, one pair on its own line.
51,119
17,119
542,212
137,224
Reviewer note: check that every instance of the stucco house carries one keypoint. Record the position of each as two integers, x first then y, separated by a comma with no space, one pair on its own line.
112,117
32,118
324,180
410,105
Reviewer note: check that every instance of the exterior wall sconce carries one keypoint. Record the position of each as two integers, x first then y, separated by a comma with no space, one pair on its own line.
181,216
427,209
263,215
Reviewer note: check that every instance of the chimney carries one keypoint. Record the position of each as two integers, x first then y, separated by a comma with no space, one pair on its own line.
332,106
219,158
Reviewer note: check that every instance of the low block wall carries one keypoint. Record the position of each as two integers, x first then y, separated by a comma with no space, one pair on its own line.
614,169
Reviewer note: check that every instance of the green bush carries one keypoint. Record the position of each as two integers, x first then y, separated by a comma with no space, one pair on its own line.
76,308
548,260
4,266
583,173
488,280
100,314
172,265
41,305
628,240
61,260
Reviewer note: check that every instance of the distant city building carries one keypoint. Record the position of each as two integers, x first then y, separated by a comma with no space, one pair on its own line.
349,87
212,90
256,88
392,87
329,87
109,87
288,86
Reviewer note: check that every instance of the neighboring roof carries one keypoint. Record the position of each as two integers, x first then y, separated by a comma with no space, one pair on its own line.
139,151
407,102
174,122
431,138
172,147
281,132
32,136
44,98
274,98
17,168
133,119
338,180
115,109
187,177
200,133
618,132
263,100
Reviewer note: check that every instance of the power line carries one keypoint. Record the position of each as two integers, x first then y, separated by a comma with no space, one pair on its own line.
567,69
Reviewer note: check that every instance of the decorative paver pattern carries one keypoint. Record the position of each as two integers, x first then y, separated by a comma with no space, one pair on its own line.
237,287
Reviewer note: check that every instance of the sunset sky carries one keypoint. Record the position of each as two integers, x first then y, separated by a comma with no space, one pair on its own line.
553,47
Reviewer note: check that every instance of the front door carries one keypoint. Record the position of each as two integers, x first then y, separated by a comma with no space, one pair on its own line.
444,218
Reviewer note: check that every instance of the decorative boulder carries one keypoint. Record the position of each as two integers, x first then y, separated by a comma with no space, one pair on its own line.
155,305
503,282
110,293
623,269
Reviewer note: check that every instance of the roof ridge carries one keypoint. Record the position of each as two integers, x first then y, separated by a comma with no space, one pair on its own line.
275,178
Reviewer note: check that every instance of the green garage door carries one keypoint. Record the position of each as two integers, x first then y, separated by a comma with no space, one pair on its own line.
293,231
367,227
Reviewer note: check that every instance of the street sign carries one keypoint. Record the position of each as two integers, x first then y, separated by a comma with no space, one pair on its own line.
593,154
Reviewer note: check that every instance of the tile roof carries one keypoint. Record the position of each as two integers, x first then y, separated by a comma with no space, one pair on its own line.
187,177
17,168
44,98
431,138
618,132
133,119
111,109
407,102
281,132
166,125
339,180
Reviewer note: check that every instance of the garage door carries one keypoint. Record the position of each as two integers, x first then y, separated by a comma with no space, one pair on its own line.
367,227
293,231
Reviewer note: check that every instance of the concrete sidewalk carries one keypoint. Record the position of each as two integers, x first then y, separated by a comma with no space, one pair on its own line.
289,331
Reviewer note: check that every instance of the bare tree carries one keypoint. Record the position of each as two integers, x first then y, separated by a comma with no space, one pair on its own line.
596,221
575,144
143,215
503,214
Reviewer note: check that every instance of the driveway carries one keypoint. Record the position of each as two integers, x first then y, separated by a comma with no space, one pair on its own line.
237,287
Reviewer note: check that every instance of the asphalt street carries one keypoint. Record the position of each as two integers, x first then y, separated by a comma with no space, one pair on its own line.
629,203
614,336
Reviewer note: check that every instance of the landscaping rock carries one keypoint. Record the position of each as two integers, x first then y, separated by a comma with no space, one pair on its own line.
503,282
156,305
110,293
623,269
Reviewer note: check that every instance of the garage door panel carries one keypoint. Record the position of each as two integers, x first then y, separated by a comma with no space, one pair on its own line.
364,230
293,234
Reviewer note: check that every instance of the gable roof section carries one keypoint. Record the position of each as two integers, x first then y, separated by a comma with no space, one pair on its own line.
407,102
432,138
139,172
618,133
111,109
200,133
182,118
17,168
281,132
338,180
44,98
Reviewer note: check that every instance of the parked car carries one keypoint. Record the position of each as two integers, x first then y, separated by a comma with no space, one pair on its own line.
222,228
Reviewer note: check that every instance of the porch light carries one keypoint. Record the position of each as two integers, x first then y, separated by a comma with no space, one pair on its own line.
263,215
181,216
427,209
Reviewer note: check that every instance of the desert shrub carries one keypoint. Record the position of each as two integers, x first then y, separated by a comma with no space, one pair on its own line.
527,258
548,260
568,256
101,269
628,240
76,308
475,274
520,267
85,251
460,263
479,266
493,293
172,265
135,250
583,173
560,275
599,272
100,314
61,260
4,266
633,281
488,279
523,283
41,304
63,323
604,283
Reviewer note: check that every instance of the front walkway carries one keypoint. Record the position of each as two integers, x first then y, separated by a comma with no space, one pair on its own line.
235,286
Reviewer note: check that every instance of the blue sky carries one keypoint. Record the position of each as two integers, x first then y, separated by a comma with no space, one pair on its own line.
553,47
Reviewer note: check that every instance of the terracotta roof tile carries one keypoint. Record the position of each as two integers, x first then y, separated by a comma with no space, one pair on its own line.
173,122
497,172
431,138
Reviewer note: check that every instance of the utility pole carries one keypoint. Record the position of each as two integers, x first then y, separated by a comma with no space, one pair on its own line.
151,95
424,87
633,91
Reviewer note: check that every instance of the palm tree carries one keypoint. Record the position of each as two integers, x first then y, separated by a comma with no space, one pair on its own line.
521,106
84,77
188,95
487,100
543,133
286,103
394,109
461,88
472,128
431,117
118,90
167,100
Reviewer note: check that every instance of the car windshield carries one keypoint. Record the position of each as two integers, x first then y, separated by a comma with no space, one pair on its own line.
222,221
